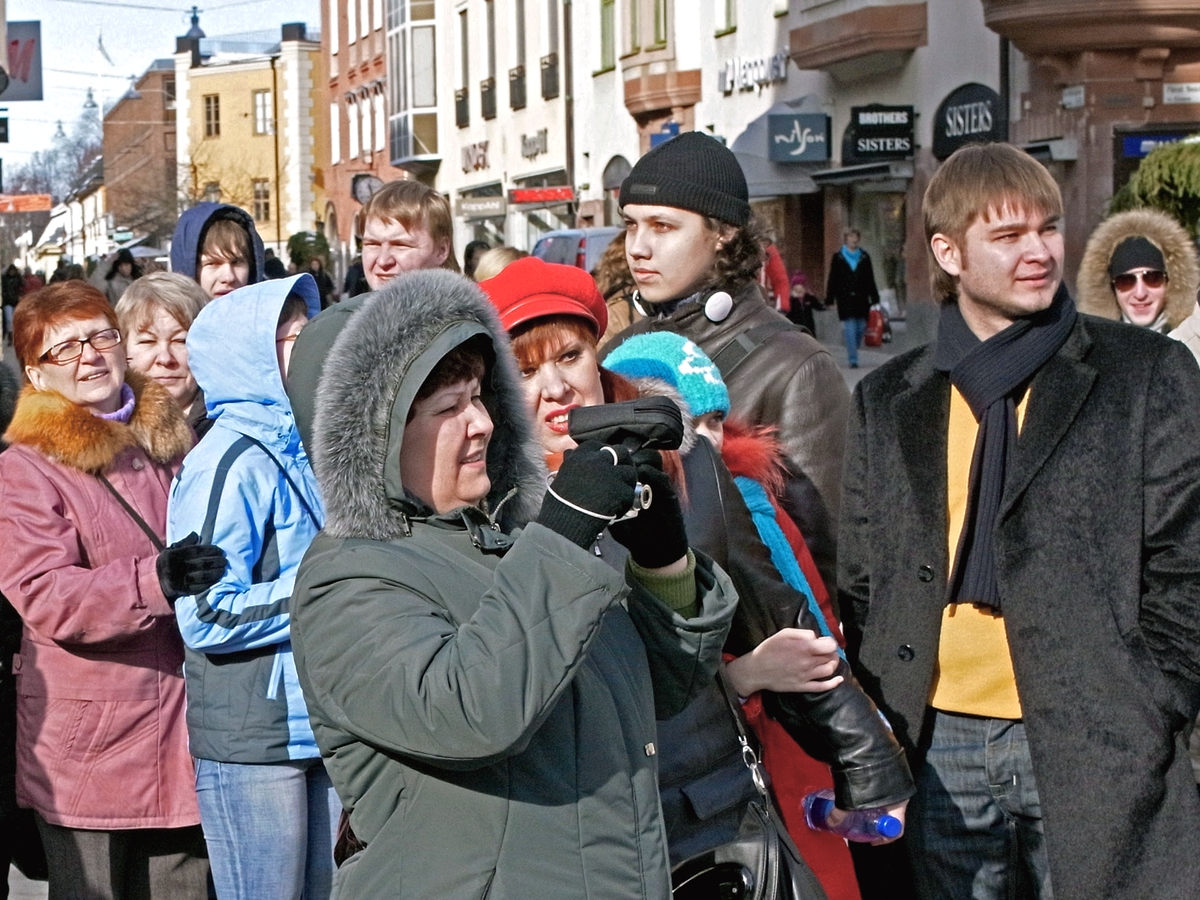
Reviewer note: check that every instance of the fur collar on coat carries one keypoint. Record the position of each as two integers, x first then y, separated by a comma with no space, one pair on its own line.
69,434
1095,295
373,371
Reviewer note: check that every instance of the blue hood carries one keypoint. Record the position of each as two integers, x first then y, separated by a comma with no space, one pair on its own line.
231,351
190,230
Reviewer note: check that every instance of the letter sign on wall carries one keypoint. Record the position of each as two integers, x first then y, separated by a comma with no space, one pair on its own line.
971,114
877,133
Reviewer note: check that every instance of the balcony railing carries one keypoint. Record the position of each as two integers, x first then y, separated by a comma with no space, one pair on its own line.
550,76
487,98
462,108
516,87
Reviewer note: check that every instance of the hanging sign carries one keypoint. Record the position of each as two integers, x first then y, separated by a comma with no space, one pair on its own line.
798,137
878,132
971,114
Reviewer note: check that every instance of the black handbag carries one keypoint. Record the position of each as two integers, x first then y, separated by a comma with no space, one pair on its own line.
762,862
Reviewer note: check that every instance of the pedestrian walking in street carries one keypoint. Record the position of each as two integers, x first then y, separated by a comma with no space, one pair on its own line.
1018,559
851,285
695,254
268,808
102,749
217,246
1140,267
11,285
155,313
123,272
485,694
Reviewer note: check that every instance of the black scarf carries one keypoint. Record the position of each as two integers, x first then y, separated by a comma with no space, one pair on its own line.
991,375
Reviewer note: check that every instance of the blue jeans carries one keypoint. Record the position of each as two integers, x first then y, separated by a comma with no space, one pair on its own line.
975,825
269,828
853,329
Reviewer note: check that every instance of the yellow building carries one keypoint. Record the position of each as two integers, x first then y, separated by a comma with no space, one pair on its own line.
249,132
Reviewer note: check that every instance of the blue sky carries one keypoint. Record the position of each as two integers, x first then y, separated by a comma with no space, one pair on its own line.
133,35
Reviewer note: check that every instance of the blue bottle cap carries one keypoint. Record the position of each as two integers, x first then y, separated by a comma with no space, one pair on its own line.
888,826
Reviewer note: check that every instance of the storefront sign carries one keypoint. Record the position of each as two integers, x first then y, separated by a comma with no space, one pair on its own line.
798,137
24,62
471,208
970,114
1188,92
475,157
543,195
1138,146
748,74
878,132
1074,97
535,145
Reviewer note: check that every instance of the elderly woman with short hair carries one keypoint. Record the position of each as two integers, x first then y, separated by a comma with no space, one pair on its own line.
155,314
102,755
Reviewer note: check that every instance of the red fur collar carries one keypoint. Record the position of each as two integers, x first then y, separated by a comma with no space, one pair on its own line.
754,452
54,426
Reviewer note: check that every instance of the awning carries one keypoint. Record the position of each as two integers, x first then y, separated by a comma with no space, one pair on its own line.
876,171
1053,150
765,178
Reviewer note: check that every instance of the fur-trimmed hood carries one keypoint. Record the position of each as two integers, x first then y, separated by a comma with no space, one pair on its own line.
70,434
374,370
1096,295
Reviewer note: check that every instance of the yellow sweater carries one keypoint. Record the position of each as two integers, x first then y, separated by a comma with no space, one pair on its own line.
974,673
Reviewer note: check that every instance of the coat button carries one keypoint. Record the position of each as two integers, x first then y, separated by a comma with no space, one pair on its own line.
649,748
906,652
137,464
925,573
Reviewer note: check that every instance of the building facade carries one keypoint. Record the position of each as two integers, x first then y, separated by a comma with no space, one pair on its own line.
253,129
139,156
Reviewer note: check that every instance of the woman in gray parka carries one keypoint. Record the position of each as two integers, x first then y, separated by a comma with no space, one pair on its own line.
485,698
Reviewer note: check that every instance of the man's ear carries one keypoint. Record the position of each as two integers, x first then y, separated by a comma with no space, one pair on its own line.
947,254
727,233
443,252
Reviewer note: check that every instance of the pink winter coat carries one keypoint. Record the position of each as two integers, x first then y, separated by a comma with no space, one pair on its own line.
101,735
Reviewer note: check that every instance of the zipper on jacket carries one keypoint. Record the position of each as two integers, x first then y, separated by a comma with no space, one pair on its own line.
276,680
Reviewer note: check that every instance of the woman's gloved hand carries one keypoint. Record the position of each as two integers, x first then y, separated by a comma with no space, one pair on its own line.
655,537
189,567
593,486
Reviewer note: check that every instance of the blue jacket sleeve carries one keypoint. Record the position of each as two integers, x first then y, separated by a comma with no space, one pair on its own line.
236,509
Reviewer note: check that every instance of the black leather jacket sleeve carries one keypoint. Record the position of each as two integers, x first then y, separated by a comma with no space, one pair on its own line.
841,727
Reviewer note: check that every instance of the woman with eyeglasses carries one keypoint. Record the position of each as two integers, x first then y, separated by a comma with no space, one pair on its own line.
1139,267
102,755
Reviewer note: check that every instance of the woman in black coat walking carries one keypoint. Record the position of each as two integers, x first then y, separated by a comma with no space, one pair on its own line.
852,286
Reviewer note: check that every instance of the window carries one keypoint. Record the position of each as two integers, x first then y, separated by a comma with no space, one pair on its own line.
464,49
660,21
364,20
334,14
376,14
212,115
212,192
726,17
262,200
264,113
354,130
490,7
335,133
351,21
168,93
519,30
412,78
380,122
608,50
551,26
632,26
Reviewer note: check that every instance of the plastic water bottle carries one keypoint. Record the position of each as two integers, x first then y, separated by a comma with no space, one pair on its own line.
858,825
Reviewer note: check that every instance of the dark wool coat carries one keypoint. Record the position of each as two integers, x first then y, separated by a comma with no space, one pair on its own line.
854,289
1098,556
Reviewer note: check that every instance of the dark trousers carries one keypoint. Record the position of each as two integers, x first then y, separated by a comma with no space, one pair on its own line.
139,864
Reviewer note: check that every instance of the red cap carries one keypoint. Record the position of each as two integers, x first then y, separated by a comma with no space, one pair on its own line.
531,288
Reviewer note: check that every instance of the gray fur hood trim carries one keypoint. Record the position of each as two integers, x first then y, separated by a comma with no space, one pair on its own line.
374,369
1096,296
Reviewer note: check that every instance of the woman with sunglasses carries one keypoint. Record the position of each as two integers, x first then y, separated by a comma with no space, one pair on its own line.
1139,267
102,754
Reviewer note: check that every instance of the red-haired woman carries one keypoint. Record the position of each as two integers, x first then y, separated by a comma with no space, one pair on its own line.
102,755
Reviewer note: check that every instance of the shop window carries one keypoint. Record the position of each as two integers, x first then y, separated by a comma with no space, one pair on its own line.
262,200
264,114
608,48
412,78
212,115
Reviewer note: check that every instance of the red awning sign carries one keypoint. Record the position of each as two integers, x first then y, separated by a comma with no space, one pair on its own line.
543,195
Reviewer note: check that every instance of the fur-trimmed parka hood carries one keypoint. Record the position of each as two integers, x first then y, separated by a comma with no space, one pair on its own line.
375,368
1095,292
70,434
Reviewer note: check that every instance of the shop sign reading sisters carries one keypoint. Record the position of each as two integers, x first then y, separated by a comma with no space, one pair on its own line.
970,114
878,132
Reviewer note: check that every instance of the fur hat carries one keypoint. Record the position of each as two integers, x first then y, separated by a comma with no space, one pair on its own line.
677,361
529,289
1094,284
694,172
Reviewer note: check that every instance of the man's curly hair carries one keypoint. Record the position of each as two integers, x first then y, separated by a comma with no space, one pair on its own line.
740,259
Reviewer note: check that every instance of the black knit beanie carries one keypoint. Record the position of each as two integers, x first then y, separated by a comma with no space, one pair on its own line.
1135,253
694,172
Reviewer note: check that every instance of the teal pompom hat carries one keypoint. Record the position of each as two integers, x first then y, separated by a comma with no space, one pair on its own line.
677,361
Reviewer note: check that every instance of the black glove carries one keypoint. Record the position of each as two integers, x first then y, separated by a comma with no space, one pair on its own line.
189,567
593,486
655,537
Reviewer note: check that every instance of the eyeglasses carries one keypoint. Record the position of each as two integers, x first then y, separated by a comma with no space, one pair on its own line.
69,351
1128,280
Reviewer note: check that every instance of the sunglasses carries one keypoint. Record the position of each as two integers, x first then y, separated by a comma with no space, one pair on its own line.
1128,280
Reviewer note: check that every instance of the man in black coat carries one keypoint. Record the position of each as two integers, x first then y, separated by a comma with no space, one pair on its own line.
1019,565
851,285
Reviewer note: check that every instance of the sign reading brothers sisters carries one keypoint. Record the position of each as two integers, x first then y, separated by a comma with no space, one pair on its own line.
877,133
971,114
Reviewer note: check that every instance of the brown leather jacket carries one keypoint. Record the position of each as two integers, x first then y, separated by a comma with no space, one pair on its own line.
791,382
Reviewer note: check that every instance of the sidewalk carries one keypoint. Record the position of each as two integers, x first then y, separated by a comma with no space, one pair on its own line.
917,329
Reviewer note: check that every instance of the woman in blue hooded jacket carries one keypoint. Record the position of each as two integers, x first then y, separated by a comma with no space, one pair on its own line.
268,808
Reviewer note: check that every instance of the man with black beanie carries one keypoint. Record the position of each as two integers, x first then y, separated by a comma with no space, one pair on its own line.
1019,565
694,253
